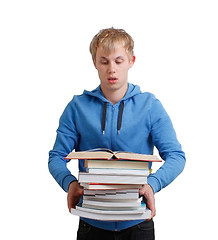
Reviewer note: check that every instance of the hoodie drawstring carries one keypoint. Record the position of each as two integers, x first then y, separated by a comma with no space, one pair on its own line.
104,117
120,115
119,122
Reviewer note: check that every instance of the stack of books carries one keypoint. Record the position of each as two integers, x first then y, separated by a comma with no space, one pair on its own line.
111,185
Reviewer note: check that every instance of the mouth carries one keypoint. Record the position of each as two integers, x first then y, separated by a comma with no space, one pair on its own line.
112,80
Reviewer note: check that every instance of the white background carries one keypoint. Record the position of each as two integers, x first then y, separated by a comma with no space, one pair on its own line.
45,60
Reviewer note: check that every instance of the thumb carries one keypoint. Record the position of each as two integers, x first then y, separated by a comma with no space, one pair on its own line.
142,190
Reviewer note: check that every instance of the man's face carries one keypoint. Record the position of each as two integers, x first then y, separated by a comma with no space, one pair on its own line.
113,68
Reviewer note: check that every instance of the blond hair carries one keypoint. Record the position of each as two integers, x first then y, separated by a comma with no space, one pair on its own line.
109,38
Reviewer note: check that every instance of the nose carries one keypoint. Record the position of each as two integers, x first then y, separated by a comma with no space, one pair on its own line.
111,67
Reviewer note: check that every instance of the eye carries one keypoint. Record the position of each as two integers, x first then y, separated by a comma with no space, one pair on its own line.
119,61
104,62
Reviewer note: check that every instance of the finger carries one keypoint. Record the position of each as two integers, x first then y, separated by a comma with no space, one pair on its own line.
151,205
70,204
142,190
152,208
70,201
81,192
76,197
153,213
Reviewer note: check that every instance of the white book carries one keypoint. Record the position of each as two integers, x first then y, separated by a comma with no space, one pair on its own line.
111,194
110,198
116,164
111,204
85,177
133,211
99,186
110,217
144,172
108,208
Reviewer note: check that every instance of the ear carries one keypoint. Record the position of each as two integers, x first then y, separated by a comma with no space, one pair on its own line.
94,62
132,60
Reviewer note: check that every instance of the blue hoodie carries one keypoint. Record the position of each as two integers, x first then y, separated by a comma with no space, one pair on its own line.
137,123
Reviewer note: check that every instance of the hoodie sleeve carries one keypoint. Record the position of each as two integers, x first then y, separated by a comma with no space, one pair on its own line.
164,138
66,141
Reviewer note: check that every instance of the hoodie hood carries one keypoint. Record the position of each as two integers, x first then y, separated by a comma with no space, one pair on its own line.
132,91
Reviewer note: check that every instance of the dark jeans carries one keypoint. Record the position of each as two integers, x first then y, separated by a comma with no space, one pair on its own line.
142,231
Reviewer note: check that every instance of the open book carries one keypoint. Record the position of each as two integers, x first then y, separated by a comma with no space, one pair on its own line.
107,154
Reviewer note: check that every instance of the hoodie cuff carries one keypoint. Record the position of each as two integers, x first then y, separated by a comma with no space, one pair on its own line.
154,183
66,182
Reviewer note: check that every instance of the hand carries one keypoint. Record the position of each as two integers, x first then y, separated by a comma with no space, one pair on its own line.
148,193
75,191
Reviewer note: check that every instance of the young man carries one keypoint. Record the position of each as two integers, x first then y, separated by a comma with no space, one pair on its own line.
118,116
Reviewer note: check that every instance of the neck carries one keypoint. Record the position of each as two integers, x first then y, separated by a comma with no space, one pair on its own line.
114,96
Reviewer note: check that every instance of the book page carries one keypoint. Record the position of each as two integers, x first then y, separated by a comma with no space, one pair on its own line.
89,155
136,156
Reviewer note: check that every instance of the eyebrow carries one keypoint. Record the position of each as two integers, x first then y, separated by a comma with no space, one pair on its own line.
119,57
